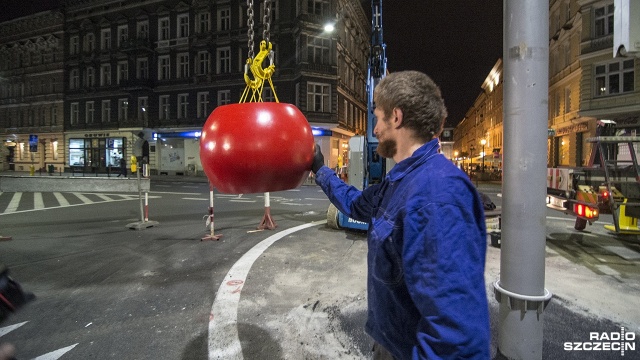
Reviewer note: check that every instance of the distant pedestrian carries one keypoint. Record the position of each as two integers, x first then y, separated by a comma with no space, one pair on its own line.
123,167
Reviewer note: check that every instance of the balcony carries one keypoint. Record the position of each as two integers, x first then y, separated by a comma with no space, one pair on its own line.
161,44
136,44
136,84
599,43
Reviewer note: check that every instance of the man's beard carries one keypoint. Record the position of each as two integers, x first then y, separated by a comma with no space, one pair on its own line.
387,148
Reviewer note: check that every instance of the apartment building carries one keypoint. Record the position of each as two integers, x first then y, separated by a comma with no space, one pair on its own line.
160,67
31,92
586,83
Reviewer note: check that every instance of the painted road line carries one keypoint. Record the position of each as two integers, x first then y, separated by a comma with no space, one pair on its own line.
294,204
174,193
7,329
83,198
242,201
15,202
61,199
54,355
38,203
223,320
317,199
103,197
195,199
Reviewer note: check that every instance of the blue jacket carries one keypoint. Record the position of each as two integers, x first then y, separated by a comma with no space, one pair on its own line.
426,255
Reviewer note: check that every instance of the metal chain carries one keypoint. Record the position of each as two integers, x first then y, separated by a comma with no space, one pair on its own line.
267,20
250,32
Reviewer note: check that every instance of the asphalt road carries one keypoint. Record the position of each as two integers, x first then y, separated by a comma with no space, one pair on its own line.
107,292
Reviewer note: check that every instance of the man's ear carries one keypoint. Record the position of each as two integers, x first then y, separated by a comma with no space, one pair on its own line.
397,117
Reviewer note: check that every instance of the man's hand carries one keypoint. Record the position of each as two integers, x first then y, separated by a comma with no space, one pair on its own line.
318,160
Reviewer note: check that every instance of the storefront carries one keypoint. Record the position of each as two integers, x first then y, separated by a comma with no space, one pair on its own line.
39,151
97,152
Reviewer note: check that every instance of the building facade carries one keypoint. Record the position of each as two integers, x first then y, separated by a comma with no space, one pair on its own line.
586,84
478,137
160,67
31,92
610,86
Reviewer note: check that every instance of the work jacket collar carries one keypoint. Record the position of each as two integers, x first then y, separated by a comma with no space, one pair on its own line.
420,156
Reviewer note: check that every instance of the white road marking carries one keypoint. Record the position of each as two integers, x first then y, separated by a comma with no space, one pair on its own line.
103,197
195,199
317,199
83,198
173,193
38,203
15,202
7,329
294,204
242,201
223,321
61,199
54,355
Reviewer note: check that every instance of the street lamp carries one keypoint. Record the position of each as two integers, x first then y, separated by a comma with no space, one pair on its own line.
483,142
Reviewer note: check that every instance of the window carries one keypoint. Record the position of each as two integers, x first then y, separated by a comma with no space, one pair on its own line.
183,65
123,34
183,25
143,68
54,115
74,45
203,105
267,94
203,63
43,116
106,111
143,29
123,109
556,105
74,113
224,19
164,107
318,7
614,78
204,22
105,39
318,98
567,100
603,17
105,74
123,71
164,70
182,105
318,50
224,97
143,107
89,42
74,79
163,29
90,77
89,112
224,60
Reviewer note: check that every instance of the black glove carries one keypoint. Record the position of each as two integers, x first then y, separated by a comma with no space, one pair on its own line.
318,160
12,297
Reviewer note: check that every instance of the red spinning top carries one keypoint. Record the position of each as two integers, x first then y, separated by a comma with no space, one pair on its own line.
256,147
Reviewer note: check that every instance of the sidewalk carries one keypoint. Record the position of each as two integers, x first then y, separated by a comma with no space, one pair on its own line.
305,297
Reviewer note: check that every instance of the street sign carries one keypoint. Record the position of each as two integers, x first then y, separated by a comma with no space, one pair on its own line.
33,143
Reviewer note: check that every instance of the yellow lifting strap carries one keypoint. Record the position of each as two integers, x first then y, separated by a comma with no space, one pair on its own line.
260,75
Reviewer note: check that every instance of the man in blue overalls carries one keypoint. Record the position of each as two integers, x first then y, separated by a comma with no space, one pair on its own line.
427,234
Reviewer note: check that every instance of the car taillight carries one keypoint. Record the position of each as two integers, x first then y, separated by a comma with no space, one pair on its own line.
604,194
585,211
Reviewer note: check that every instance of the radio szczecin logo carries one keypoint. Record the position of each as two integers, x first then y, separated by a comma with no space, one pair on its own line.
622,341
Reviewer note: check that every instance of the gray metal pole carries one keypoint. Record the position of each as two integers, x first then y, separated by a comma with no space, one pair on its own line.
520,290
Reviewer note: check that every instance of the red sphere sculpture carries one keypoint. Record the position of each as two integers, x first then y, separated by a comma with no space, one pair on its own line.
256,147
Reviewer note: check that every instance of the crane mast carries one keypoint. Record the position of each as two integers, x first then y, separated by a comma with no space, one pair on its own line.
374,164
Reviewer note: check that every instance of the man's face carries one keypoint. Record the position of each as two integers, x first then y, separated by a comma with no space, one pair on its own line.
384,131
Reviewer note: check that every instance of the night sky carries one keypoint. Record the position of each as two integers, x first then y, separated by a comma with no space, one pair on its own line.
456,42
